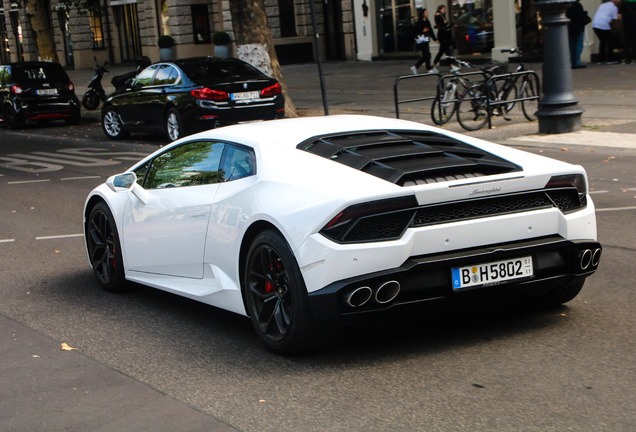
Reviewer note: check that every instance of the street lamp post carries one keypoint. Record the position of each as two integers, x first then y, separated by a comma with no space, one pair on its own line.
558,109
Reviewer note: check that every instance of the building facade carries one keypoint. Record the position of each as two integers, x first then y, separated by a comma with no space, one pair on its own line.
349,29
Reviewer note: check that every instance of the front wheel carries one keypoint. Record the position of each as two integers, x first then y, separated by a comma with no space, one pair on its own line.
173,126
443,108
472,109
104,250
276,297
113,124
90,100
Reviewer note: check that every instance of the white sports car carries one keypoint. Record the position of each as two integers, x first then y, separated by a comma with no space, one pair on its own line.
303,223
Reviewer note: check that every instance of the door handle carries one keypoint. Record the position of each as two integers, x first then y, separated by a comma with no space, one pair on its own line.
196,214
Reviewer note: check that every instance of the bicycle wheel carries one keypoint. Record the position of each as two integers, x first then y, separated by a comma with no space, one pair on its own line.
472,111
508,93
442,111
529,107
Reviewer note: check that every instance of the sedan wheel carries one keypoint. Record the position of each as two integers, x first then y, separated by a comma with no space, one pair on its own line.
113,124
104,251
173,125
276,297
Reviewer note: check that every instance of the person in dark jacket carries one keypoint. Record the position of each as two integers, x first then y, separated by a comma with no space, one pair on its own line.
627,10
423,35
444,35
576,28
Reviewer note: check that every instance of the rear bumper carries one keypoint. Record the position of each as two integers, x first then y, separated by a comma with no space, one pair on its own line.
38,110
420,279
206,115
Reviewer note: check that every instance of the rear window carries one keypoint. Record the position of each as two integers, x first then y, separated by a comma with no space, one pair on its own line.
39,73
220,71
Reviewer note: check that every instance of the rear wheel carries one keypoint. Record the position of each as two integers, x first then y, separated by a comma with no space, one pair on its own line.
173,126
104,250
11,118
509,93
472,110
276,297
90,100
113,124
529,107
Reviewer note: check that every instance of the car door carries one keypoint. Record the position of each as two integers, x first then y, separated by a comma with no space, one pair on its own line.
131,103
166,234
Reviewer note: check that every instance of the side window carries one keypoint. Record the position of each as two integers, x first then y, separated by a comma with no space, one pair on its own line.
166,75
145,77
238,162
192,164
3,76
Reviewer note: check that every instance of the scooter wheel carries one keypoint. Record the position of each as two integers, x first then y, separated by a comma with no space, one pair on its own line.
90,101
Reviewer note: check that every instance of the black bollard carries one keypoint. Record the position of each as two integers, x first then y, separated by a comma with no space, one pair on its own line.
558,110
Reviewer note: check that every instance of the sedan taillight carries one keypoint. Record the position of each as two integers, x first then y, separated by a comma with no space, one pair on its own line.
272,90
209,94
16,89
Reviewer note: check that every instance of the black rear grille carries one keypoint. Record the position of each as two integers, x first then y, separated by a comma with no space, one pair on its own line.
391,225
408,158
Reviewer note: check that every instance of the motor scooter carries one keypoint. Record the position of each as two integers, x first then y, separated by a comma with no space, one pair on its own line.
96,92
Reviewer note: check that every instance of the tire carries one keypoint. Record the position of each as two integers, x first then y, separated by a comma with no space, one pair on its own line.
443,108
529,107
276,297
113,125
472,112
11,118
91,100
104,249
509,94
173,126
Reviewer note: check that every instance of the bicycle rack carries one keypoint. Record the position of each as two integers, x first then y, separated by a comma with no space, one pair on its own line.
441,84
408,77
491,83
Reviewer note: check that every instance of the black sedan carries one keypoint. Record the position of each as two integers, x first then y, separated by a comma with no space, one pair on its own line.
185,96
36,91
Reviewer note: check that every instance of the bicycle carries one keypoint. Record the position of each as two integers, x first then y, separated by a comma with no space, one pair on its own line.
481,101
445,102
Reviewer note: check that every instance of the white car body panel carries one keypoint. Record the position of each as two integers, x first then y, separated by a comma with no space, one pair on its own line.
188,240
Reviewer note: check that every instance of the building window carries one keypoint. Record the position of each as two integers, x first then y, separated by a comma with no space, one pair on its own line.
95,23
200,24
287,15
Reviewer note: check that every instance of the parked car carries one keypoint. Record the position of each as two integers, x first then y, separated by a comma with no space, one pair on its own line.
184,96
39,91
304,223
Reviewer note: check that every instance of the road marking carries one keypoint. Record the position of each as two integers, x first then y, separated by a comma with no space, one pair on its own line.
6,240
53,237
80,178
29,181
615,209
598,192
586,138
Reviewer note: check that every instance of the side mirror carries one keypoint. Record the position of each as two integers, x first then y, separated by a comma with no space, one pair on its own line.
127,182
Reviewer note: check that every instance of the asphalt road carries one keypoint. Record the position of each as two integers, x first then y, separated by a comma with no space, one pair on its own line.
570,368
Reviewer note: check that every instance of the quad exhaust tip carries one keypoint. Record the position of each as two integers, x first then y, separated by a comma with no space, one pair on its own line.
387,292
589,258
359,296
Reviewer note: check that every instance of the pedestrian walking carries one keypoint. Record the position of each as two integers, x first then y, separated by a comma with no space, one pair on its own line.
602,25
627,11
444,35
576,32
423,35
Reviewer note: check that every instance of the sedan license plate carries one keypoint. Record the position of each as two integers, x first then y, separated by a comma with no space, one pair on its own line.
492,273
46,92
245,96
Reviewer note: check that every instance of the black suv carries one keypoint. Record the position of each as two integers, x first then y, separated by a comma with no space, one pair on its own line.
39,91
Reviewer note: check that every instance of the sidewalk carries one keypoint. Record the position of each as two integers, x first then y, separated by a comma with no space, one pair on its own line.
606,92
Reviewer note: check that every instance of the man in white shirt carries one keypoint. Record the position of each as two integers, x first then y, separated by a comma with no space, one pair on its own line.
604,15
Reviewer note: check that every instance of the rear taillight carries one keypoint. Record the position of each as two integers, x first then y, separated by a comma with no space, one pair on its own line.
209,94
16,89
373,221
272,90
70,86
569,180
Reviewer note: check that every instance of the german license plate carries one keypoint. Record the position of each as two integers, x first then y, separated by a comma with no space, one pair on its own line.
492,273
46,92
245,96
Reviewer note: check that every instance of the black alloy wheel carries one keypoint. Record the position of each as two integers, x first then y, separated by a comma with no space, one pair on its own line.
276,297
104,250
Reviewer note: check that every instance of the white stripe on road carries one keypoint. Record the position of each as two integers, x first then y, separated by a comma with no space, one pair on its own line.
29,181
598,192
59,236
7,240
615,209
80,178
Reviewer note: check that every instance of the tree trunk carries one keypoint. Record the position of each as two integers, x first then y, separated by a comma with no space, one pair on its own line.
39,18
250,28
